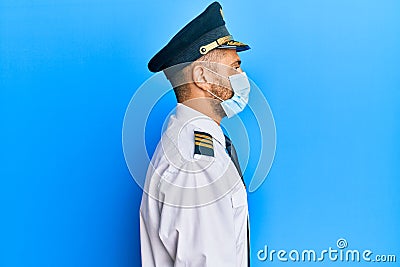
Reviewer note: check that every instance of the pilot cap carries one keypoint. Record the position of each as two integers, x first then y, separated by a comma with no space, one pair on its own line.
204,33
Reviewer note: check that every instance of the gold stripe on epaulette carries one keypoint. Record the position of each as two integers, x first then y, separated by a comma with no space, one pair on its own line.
204,145
204,140
203,136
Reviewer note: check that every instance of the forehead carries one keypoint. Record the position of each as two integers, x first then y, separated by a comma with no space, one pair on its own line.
230,57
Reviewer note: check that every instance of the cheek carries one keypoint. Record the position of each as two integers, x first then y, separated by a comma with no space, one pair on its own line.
226,92
222,92
230,93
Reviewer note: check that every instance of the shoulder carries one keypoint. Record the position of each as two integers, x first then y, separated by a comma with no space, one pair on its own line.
185,150
185,142
191,171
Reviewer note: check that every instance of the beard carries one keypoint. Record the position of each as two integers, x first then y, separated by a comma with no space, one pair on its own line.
223,93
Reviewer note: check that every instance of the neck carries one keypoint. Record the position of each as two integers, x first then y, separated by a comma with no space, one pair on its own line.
206,106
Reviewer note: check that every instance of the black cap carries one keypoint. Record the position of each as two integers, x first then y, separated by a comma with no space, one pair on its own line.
204,33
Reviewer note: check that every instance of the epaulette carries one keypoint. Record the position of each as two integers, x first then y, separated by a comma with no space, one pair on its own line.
203,144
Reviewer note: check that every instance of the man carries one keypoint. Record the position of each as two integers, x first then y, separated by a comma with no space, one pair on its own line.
194,209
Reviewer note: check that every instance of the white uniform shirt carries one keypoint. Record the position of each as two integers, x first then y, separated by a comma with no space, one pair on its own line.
194,208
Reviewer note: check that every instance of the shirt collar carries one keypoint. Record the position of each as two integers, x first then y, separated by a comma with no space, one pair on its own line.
200,121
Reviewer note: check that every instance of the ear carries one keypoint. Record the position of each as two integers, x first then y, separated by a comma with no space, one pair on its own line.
200,78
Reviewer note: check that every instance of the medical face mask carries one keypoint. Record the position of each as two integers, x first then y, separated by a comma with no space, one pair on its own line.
241,88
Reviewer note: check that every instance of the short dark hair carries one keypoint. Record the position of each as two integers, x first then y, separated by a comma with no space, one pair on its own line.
182,91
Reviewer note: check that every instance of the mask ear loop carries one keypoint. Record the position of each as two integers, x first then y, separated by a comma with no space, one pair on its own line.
220,99
216,73
220,76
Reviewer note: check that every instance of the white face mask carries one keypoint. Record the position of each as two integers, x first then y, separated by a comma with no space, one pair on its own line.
241,89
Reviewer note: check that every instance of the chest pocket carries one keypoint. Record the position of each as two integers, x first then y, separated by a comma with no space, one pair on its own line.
239,198
240,223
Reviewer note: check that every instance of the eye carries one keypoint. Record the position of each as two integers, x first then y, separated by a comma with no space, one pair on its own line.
237,67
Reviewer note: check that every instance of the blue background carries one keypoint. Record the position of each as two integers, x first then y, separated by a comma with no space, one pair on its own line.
329,69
